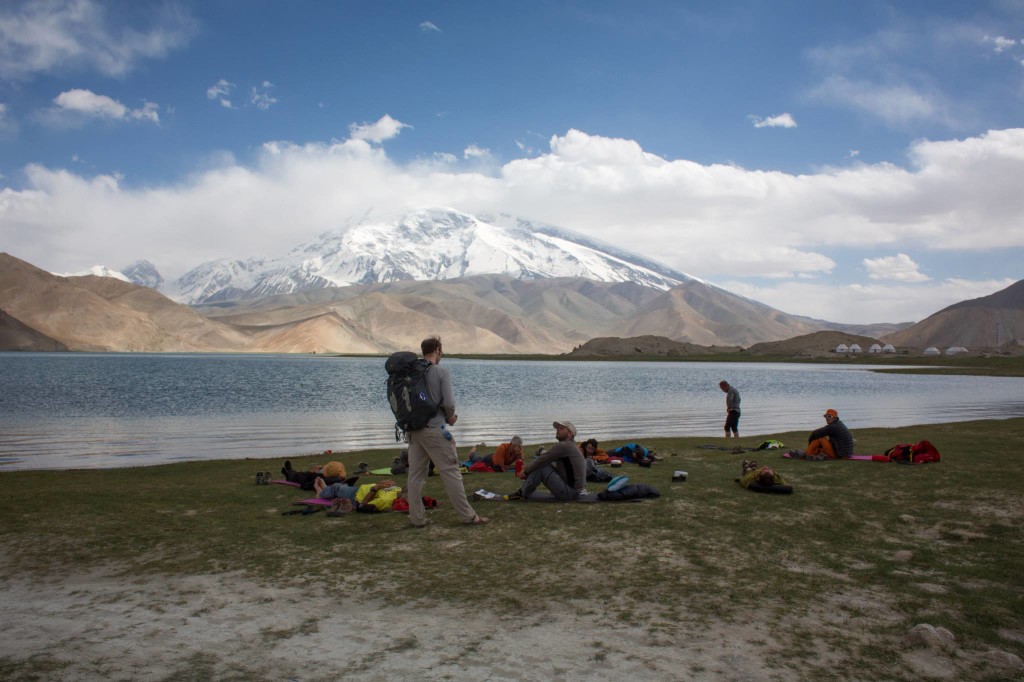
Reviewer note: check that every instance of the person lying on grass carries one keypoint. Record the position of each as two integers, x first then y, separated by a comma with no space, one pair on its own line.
347,496
762,479
332,472
504,456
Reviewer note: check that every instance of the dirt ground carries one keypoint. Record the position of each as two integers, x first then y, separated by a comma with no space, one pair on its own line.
97,626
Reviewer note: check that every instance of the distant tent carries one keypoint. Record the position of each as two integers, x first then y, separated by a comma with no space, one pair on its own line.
888,348
953,350
854,348
841,348
875,348
931,350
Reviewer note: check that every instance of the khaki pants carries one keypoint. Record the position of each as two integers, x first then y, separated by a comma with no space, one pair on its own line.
430,445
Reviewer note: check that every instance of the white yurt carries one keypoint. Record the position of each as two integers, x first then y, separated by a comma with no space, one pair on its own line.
954,350
931,350
854,347
888,348
841,348
875,348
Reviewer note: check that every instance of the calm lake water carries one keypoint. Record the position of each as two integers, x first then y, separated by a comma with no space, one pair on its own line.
72,410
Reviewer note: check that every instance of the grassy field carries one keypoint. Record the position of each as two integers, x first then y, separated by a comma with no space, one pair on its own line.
848,564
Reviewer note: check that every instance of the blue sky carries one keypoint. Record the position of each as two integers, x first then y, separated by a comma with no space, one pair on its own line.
858,162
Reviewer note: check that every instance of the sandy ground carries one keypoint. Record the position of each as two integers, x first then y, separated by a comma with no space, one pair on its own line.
96,626
225,627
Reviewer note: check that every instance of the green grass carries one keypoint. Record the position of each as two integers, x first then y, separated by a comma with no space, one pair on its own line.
861,547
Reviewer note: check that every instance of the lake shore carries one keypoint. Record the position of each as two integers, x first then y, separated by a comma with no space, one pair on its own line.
189,571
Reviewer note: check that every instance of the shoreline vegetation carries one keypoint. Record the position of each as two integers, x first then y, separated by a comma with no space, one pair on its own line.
190,571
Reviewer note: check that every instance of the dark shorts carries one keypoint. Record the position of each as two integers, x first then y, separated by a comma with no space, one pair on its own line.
732,422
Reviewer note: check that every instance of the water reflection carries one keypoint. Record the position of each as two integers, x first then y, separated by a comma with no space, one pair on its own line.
81,410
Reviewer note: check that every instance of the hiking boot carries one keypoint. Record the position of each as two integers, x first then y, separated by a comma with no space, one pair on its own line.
259,478
517,495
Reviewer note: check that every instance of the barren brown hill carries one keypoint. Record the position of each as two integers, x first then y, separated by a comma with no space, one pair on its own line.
657,346
698,313
498,314
981,323
811,345
16,335
103,314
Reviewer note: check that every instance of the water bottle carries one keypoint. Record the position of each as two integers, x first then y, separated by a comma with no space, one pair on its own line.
446,432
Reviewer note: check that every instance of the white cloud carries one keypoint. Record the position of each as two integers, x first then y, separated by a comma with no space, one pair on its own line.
261,97
41,37
894,104
383,129
221,91
781,121
900,268
867,303
714,221
1000,43
475,152
428,26
87,104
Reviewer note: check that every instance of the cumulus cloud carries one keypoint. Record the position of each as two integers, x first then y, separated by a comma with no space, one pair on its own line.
1000,43
713,221
221,91
42,37
75,105
428,27
383,129
475,152
781,121
260,96
900,268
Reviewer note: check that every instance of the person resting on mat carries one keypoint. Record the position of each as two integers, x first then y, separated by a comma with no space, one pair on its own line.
347,496
504,456
831,441
591,451
762,479
332,472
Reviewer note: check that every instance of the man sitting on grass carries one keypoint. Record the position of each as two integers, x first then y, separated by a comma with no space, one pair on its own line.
831,441
561,469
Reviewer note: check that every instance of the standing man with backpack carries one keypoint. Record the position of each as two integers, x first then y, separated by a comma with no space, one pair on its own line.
732,409
434,443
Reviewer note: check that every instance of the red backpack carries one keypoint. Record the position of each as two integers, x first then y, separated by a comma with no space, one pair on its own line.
921,452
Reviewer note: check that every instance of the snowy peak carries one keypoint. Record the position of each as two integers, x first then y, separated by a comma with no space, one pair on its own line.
143,273
428,244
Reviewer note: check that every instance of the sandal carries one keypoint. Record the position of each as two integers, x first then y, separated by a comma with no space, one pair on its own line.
478,521
422,525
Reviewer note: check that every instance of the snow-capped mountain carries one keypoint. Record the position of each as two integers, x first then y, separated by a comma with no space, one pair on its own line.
98,271
429,244
143,273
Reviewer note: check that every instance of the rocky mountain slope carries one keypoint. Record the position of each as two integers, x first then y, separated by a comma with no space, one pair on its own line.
16,335
988,322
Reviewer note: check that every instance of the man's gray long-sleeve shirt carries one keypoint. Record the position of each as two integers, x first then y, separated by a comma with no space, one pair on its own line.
439,383
568,461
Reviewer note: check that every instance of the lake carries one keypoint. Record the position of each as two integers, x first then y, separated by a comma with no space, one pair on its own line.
81,410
